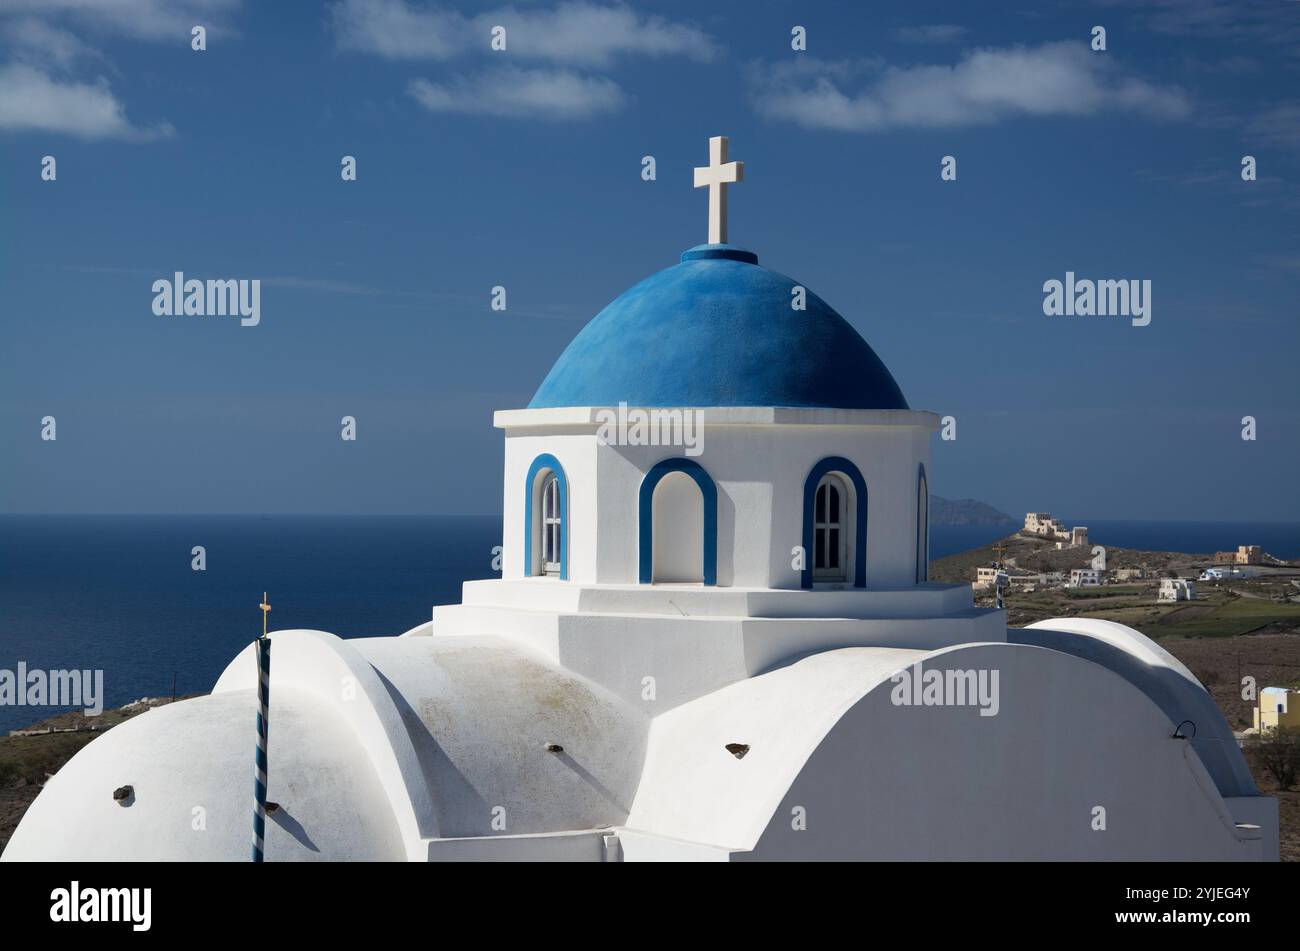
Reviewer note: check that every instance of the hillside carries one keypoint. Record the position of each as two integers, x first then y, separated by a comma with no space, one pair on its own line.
1258,605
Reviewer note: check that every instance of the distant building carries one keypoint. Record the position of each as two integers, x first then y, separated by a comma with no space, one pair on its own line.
986,578
1275,709
1033,521
1244,555
1230,573
1085,578
1176,589
1129,574
1044,526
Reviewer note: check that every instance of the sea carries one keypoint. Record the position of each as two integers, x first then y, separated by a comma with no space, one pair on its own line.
119,594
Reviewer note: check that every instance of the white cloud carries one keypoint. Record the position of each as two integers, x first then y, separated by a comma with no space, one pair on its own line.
576,32
142,19
394,29
39,88
587,34
1266,21
522,94
39,43
1278,125
31,100
985,86
930,33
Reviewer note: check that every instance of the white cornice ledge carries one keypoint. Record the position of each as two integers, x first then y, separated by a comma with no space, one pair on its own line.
582,417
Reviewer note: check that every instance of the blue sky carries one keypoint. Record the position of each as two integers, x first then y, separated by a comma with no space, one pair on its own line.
522,168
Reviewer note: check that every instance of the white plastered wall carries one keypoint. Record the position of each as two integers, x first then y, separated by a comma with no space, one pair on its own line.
759,469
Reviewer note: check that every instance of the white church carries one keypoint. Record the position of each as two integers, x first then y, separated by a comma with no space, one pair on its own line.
724,651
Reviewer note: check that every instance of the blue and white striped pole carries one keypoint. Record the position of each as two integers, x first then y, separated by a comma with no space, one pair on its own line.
263,728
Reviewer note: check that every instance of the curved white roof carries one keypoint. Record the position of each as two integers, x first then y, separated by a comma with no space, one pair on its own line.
190,766
420,747
480,713
693,789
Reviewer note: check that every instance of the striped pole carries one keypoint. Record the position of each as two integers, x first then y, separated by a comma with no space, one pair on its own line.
263,727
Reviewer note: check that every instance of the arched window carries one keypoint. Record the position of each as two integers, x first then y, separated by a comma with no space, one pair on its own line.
552,524
829,538
546,516
922,527
834,525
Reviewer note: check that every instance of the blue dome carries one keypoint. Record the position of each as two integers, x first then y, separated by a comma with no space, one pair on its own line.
718,330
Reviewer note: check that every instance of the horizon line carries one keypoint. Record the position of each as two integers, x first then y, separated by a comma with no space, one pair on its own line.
1168,521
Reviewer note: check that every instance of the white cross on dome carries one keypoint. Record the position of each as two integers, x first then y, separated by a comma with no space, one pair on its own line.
717,175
